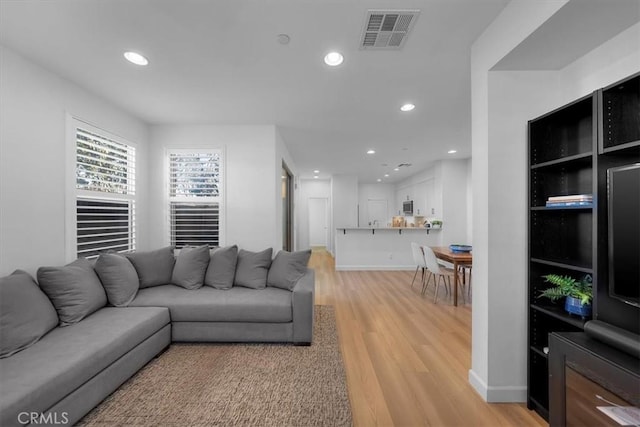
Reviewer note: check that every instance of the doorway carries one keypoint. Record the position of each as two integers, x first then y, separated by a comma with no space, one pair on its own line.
318,221
287,208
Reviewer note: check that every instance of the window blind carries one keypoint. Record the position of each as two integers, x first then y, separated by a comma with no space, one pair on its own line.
194,175
104,224
195,224
104,165
105,193
194,198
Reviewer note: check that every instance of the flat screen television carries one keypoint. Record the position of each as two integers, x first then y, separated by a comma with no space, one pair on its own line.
407,207
623,188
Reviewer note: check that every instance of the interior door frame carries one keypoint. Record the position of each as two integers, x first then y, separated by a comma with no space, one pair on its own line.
287,209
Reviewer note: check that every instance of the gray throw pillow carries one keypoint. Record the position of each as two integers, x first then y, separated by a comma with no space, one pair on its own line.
154,267
118,277
252,268
222,267
26,314
75,290
191,266
287,268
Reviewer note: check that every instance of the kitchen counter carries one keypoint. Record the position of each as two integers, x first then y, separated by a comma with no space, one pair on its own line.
398,229
380,248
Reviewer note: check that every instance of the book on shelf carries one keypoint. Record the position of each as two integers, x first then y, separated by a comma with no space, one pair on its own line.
571,198
568,204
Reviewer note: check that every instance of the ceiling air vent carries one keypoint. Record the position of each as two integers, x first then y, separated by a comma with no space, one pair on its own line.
387,29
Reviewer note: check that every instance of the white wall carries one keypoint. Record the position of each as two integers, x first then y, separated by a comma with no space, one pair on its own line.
502,103
454,201
344,203
469,201
514,24
251,181
368,192
311,188
612,61
34,104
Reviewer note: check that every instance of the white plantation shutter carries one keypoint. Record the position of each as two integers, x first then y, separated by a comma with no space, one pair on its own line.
105,193
194,197
104,224
104,165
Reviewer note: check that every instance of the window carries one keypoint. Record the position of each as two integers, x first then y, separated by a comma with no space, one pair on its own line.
105,192
194,197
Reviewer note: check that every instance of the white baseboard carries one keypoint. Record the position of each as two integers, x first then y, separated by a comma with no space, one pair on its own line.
375,267
501,394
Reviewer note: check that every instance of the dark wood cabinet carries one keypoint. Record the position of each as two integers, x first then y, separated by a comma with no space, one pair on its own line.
587,376
570,150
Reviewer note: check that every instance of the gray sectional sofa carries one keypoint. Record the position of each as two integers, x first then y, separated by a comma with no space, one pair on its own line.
66,343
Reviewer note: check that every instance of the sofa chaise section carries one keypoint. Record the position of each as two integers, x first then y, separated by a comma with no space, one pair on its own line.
71,369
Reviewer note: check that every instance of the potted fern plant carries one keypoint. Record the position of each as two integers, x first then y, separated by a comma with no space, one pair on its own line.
578,293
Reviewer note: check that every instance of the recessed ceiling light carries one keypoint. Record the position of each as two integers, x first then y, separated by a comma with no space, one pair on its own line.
396,169
316,176
136,58
386,175
371,152
379,180
333,59
316,171
451,151
407,107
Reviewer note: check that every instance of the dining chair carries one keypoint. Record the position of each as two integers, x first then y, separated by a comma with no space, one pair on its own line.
463,268
418,259
443,273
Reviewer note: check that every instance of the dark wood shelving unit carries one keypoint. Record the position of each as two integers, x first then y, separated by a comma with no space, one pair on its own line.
561,148
570,150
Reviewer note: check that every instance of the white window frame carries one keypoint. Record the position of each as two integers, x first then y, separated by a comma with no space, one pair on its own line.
73,193
221,199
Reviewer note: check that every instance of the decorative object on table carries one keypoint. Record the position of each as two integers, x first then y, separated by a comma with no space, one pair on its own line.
460,248
418,220
436,223
398,221
578,293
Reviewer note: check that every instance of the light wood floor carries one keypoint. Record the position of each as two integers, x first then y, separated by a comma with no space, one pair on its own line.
407,359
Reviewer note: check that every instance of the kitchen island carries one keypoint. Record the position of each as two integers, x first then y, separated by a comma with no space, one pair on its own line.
380,248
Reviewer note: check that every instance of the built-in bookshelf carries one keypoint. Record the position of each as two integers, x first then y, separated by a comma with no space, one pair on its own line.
570,149
561,147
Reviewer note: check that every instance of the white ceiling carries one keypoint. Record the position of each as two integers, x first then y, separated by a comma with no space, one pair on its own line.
219,62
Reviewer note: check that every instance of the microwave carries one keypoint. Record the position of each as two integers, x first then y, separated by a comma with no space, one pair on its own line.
407,207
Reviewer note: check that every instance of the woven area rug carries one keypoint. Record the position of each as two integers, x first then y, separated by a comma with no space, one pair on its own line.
237,385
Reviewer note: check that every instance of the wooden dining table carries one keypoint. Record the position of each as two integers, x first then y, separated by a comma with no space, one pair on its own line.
457,259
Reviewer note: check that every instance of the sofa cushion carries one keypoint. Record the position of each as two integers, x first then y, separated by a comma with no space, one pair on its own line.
40,376
191,266
207,304
154,267
287,268
252,268
222,267
26,314
75,290
118,277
